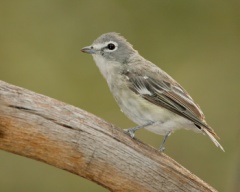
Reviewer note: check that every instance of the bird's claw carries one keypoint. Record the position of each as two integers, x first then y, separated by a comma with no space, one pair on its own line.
162,149
130,132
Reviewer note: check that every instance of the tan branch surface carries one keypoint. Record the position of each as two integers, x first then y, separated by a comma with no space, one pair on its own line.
47,130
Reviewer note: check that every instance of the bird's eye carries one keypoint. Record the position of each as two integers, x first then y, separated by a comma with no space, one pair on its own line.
111,46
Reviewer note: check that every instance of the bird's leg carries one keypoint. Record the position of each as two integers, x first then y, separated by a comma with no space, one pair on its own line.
162,148
131,131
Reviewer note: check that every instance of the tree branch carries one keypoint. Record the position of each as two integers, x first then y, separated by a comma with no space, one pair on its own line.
47,130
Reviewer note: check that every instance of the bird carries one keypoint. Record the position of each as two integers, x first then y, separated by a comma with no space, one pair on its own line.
145,93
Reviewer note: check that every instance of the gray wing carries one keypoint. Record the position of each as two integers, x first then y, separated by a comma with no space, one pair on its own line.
168,94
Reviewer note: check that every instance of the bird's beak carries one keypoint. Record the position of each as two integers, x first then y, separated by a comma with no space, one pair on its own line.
88,49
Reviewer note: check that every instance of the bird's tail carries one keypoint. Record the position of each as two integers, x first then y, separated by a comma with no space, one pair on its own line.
213,137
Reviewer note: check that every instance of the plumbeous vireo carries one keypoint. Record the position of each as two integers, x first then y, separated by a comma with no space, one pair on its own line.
145,93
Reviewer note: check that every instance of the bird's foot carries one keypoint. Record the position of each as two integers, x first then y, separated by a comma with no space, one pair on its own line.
162,148
131,132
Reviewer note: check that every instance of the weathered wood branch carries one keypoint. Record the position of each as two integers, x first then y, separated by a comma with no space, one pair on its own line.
47,130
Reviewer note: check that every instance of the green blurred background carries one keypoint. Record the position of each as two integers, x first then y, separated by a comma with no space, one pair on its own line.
196,42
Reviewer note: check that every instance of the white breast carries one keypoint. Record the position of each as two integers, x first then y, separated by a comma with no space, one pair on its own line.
107,68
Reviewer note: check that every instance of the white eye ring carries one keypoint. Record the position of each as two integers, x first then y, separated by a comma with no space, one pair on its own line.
110,46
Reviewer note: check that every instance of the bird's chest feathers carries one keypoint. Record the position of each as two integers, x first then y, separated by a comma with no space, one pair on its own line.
109,69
